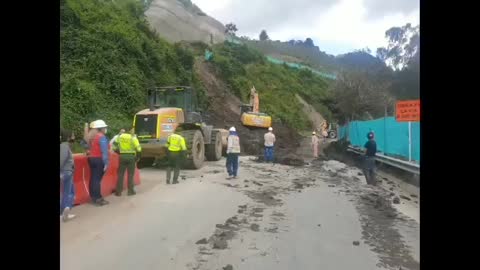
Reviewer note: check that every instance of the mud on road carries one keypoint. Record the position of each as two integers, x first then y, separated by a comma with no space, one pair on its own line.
255,230
318,216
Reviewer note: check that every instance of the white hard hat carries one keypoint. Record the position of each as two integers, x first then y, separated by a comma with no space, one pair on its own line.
314,133
232,129
270,129
98,124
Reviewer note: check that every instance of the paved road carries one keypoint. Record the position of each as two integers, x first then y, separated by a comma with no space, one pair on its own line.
272,217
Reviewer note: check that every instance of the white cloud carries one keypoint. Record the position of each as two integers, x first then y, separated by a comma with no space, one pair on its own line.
336,26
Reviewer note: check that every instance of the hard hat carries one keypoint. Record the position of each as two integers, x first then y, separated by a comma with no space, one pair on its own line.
98,124
314,133
370,135
270,129
232,129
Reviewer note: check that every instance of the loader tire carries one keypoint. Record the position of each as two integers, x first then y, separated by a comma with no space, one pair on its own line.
195,149
213,151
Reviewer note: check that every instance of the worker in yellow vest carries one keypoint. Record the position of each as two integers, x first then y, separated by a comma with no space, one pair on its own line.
176,150
128,147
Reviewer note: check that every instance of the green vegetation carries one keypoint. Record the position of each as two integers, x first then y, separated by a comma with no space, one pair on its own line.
108,59
242,67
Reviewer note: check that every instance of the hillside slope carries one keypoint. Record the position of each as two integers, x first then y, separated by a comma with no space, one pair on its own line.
108,59
242,67
180,20
224,111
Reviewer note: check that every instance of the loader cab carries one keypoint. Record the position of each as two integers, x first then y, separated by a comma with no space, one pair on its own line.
182,97
172,97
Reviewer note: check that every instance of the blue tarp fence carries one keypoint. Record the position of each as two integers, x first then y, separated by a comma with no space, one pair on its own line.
391,136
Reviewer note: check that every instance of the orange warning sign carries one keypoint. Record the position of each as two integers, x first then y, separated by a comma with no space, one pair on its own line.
408,111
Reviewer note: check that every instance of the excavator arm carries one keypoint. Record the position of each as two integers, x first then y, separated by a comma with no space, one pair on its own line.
254,100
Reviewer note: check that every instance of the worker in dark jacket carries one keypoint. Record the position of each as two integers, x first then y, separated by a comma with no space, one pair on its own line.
370,151
66,174
128,147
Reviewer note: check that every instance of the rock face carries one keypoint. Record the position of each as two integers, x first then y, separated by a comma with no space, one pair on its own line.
174,21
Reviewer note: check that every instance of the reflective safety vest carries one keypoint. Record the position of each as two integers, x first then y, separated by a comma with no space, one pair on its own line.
176,143
127,144
95,148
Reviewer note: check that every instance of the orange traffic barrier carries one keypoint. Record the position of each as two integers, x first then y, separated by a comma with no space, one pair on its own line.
81,178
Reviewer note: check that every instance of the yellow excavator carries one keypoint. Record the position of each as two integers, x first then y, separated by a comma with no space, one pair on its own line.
250,113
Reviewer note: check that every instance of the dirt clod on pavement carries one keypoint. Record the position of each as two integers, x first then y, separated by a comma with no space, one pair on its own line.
220,243
228,267
255,227
202,241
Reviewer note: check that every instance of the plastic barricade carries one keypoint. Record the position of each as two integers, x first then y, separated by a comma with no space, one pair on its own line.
81,178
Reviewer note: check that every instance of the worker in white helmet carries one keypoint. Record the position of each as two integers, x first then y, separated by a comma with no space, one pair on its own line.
315,144
233,151
98,161
269,139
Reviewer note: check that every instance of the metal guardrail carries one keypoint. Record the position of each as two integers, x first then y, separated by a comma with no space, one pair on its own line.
401,164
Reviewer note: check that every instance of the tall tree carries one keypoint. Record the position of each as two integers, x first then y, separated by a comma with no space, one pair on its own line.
264,35
357,94
403,46
231,29
309,42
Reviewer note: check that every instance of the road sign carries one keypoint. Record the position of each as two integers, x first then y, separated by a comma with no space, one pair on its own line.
408,111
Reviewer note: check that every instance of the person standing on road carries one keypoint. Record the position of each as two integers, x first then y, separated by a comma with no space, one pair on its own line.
114,139
128,147
315,144
98,161
177,149
66,174
233,151
370,151
269,139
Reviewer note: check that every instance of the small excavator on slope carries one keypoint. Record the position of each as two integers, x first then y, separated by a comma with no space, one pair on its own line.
251,116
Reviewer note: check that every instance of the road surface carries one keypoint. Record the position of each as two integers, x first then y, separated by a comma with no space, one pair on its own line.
272,217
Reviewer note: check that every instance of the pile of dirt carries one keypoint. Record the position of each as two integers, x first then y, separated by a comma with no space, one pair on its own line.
224,112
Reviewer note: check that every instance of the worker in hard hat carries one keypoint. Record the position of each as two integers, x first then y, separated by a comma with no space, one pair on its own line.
128,147
370,152
269,139
233,151
315,144
176,151
98,160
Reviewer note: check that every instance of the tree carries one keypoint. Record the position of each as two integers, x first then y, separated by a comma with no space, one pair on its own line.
357,94
309,42
264,35
231,29
403,46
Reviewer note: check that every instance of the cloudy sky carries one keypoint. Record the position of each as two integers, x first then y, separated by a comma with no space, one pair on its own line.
336,26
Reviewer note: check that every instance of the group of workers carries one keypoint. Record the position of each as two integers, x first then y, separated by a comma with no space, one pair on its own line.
233,150
97,148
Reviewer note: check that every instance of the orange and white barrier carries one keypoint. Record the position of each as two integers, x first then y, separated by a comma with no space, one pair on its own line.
81,178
